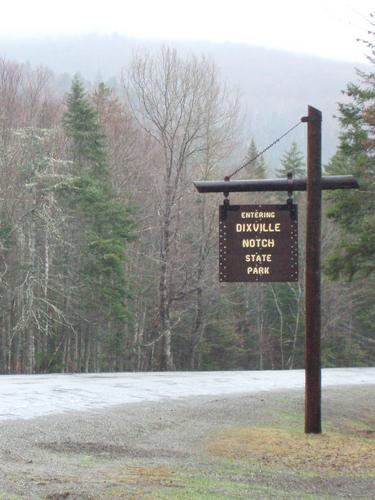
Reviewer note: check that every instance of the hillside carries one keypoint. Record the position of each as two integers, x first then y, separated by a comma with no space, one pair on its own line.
275,86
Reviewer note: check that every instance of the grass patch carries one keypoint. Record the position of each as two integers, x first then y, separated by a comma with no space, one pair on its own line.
143,475
217,482
220,479
337,453
199,488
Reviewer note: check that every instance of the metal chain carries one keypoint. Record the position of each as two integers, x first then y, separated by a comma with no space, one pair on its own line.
228,177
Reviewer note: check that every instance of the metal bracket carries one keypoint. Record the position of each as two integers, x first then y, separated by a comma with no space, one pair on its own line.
226,201
289,201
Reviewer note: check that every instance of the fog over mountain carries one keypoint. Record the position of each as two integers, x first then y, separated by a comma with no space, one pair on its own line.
275,87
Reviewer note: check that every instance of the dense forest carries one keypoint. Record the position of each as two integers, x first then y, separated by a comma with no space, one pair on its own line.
108,256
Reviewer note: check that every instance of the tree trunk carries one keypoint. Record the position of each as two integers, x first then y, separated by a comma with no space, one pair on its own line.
167,362
197,329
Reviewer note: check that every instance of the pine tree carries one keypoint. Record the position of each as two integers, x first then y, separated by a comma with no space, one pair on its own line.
256,168
354,211
353,257
81,125
292,161
104,224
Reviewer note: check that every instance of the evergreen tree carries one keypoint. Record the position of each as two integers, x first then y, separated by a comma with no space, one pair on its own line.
104,224
354,210
256,169
292,161
81,125
353,257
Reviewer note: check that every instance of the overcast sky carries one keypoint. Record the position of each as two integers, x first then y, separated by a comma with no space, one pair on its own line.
327,28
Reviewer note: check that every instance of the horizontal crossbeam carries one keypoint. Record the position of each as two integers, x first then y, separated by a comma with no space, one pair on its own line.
237,186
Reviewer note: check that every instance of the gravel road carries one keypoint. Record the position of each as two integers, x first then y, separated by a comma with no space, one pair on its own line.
159,449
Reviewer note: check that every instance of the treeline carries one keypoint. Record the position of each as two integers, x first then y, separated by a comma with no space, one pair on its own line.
108,256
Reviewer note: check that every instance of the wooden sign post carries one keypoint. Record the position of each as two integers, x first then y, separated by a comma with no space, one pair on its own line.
263,248
312,274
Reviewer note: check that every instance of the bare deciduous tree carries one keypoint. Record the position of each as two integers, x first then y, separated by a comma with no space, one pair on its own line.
170,98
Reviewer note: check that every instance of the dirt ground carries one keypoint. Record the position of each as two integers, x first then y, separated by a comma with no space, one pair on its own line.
245,446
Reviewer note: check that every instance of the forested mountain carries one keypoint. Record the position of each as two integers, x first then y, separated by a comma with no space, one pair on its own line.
274,86
108,256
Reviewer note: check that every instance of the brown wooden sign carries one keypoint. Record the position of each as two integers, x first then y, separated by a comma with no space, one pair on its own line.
258,243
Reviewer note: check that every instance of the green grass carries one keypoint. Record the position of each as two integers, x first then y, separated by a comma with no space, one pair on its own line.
222,479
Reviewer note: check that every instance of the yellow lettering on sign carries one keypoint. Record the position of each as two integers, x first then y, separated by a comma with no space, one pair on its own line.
257,215
260,271
259,227
258,243
254,257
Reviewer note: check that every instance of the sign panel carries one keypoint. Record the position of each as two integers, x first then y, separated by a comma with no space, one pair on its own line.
258,243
